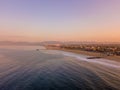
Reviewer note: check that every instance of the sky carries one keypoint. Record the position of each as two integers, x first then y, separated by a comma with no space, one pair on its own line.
60,20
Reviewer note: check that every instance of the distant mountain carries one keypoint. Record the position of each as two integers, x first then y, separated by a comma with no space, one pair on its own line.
19,43
52,42
29,43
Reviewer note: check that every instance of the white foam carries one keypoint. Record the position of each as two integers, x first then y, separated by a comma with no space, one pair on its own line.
105,62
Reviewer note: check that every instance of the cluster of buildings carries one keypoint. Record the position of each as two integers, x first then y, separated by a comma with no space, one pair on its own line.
105,49
108,49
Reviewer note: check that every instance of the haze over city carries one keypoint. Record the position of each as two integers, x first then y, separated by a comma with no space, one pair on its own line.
60,20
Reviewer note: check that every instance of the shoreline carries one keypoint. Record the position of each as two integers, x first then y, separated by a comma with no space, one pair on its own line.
89,54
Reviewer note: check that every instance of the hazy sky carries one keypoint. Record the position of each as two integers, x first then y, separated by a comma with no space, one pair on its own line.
68,20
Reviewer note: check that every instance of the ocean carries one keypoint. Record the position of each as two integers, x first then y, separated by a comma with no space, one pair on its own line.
25,68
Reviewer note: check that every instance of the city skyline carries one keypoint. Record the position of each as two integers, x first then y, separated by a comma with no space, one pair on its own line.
63,20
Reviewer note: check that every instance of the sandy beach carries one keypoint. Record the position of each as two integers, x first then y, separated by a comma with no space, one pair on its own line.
88,53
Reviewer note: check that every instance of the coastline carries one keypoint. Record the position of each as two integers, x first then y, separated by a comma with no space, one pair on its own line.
90,54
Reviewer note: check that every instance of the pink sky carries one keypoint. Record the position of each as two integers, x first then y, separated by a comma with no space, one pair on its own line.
70,20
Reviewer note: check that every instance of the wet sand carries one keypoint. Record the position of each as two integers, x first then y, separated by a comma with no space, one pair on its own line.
56,70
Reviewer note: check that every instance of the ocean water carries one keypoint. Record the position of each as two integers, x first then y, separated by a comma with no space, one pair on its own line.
24,68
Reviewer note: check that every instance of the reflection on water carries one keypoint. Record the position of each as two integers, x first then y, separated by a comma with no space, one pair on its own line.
47,70
14,47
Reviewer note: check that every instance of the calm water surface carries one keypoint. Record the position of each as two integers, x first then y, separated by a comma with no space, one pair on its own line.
24,68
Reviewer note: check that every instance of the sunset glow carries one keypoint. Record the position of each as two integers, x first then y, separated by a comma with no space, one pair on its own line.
60,20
